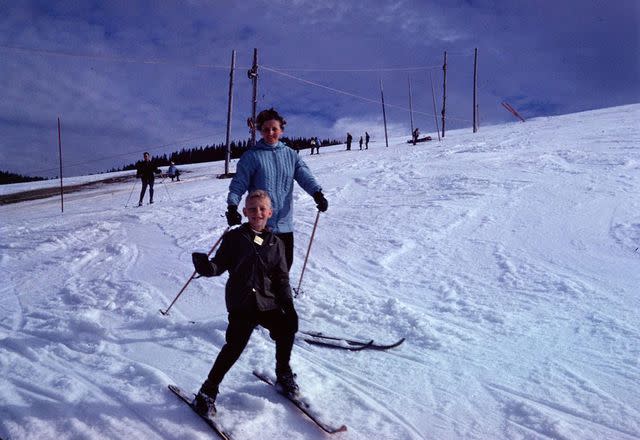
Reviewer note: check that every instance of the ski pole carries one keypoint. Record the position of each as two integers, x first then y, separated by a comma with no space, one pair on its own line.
304,266
131,193
166,312
166,189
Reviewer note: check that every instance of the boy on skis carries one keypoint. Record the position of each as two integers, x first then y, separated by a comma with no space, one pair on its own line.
257,293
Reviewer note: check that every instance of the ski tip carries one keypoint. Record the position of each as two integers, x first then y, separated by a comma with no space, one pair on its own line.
343,428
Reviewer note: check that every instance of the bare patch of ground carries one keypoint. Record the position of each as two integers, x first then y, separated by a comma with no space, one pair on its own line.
54,191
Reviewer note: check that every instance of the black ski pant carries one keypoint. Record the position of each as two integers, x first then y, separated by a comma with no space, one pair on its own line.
282,329
287,239
145,183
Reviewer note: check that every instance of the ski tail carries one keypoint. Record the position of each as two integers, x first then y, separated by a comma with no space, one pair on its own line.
304,407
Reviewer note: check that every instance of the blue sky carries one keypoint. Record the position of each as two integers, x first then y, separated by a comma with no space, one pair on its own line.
129,76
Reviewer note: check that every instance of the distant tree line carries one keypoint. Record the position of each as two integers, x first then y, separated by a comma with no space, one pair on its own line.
214,153
7,177
209,153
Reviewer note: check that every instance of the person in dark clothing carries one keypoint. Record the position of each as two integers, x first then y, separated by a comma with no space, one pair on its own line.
416,134
257,293
366,140
349,139
146,171
361,142
317,145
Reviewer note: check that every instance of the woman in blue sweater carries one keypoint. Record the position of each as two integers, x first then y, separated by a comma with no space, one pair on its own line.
272,166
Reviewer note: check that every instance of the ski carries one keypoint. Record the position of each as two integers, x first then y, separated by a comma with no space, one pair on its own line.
347,344
303,406
351,346
188,400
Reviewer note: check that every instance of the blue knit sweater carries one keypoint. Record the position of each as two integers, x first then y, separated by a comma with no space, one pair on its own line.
272,168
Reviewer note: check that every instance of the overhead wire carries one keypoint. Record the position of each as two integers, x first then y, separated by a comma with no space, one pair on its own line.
372,69
128,60
353,95
132,60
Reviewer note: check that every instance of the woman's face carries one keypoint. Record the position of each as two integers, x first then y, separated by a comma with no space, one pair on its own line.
271,131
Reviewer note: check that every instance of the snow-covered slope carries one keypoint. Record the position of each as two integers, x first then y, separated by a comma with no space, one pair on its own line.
507,258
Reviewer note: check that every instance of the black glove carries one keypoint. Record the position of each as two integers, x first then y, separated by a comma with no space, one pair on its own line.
321,202
202,264
291,316
233,216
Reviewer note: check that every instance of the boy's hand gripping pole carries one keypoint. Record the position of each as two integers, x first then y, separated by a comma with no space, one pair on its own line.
166,312
304,266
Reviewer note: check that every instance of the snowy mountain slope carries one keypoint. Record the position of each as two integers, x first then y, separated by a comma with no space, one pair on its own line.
507,258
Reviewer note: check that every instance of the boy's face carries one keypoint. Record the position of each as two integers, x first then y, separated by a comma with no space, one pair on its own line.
271,131
258,211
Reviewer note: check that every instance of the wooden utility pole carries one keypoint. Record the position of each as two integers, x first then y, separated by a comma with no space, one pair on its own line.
410,105
444,91
60,155
227,156
433,98
384,117
253,75
475,90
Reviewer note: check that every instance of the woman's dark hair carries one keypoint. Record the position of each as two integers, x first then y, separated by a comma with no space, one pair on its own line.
268,115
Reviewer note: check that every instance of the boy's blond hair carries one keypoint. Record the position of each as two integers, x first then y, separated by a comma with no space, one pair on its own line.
258,194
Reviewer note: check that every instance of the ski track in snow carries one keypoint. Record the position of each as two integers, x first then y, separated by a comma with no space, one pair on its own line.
507,259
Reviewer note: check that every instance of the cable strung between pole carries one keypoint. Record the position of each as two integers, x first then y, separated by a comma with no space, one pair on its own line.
353,95
372,69
131,60
111,58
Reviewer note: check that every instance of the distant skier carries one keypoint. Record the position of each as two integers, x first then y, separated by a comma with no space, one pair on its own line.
349,139
416,134
361,142
272,166
315,145
146,171
257,293
366,140
173,172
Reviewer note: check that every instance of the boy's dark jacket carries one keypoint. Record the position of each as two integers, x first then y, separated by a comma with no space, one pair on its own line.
258,274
